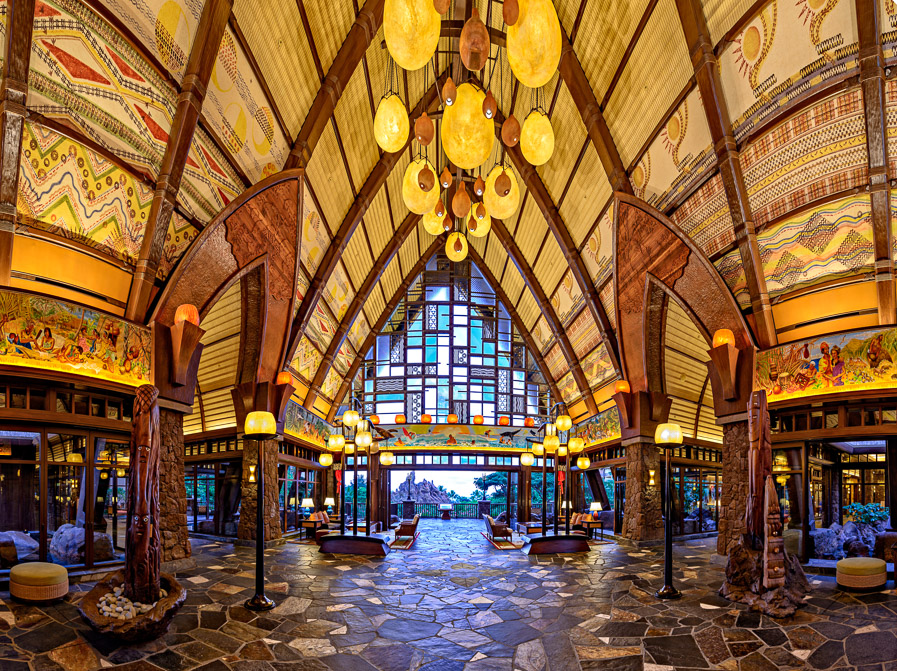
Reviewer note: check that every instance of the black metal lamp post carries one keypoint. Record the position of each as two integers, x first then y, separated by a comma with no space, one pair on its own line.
260,426
666,436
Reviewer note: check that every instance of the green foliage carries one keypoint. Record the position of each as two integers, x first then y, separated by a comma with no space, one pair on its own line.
866,514
487,481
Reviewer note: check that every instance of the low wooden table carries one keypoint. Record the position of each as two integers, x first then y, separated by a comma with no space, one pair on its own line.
590,526
311,527
527,528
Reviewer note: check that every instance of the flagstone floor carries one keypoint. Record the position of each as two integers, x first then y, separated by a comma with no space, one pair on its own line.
453,602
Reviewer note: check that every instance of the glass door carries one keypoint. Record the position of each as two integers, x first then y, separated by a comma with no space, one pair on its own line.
110,476
69,504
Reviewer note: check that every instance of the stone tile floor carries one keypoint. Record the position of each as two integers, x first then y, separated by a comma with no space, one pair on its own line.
453,602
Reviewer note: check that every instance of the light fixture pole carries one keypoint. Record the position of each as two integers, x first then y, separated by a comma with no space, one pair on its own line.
260,426
666,436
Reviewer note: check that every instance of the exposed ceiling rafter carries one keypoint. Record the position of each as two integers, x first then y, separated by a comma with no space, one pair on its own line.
378,326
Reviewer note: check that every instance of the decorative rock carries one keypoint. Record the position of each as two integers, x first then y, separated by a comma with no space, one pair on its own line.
25,544
67,545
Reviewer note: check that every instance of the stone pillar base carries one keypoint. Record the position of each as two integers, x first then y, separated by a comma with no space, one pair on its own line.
642,520
246,528
172,489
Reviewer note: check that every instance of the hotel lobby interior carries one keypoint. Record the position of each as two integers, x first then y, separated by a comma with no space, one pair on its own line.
641,293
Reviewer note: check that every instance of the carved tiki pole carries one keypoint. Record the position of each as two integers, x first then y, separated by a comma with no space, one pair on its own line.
143,551
759,467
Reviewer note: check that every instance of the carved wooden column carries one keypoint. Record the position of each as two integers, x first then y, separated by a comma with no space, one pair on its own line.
734,487
524,494
13,91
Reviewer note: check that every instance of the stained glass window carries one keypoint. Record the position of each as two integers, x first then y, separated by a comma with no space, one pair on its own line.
450,347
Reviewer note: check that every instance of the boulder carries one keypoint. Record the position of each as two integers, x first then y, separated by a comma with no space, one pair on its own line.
828,543
68,541
8,555
886,546
25,544
744,583
856,549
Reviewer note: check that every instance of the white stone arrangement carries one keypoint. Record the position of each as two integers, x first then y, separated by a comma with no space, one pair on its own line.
114,604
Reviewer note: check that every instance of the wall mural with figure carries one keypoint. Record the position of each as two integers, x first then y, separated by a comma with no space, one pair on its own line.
39,332
600,429
456,435
304,425
831,364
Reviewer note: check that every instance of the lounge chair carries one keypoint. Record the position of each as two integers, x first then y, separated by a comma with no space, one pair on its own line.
408,528
496,530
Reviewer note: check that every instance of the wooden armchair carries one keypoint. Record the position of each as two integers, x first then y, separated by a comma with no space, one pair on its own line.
496,530
407,528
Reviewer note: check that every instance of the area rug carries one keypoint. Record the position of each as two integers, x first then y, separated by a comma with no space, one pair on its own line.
404,542
501,544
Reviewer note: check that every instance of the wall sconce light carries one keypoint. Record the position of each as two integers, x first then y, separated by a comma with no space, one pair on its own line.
651,478
252,473
621,387
185,336
724,357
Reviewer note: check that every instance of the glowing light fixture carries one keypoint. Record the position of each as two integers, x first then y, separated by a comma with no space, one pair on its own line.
336,442
595,507
668,434
538,449
387,458
478,419
456,247
562,450
504,421
416,199
424,419
501,206
723,337
651,477
349,448
551,429
284,377
551,443
537,138
576,444
479,226
374,419
534,43
186,313
467,135
350,418
433,221
452,418
307,503
325,459
582,463
527,459
260,425
120,472
363,439
104,475
529,422
563,423
411,29
252,473
400,419
391,124
621,386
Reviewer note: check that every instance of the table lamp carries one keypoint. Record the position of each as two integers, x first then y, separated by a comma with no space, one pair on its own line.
307,503
595,507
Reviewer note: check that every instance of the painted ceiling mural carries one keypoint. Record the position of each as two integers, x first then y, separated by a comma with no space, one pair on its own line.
705,217
209,183
680,154
306,360
568,388
598,251
338,292
358,331
597,366
567,300
180,234
315,237
787,47
583,334
600,429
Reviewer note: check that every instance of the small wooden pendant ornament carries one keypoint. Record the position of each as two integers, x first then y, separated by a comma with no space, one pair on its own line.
424,130
481,211
503,184
479,186
442,6
489,105
472,225
440,209
461,202
474,43
449,92
445,179
459,246
510,12
426,180
510,131
447,225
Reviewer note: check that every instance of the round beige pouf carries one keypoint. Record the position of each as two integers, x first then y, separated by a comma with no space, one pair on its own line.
38,581
861,573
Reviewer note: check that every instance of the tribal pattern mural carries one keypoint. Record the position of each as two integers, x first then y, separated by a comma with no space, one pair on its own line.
454,435
600,429
338,292
305,425
331,384
705,217
852,361
789,46
210,183
306,360
584,334
359,331
180,234
680,154
597,366
568,388
819,152
321,326
567,300
39,332
599,249
315,237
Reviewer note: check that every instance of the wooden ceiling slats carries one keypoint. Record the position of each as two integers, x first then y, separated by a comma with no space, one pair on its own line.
707,74
639,29
212,24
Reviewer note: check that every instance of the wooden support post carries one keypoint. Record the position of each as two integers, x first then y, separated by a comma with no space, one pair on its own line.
13,92
872,79
203,54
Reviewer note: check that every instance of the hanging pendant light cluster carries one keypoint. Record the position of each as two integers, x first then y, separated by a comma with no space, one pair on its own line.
467,130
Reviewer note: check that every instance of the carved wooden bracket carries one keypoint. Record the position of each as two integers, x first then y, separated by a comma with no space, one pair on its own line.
724,359
185,338
267,396
641,411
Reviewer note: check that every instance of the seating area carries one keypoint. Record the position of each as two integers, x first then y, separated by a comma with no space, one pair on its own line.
496,530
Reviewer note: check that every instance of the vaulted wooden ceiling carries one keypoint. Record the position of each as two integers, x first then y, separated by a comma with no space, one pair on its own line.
757,127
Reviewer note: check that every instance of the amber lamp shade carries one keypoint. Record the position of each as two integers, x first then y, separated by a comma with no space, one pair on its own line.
499,206
576,444
416,199
461,201
538,449
527,459
284,377
363,439
562,450
433,220
534,43
336,442
583,463
479,226
374,419
452,418
563,422
537,138
325,459
186,313
551,443
426,419
510,12
442,6
723,337
400,419
445,178
474,43
456,247
467,135
424,130
387,458
478,419
621,386
391,125
529,422
668,434
510,131
489,106
411,29
504,421
260,425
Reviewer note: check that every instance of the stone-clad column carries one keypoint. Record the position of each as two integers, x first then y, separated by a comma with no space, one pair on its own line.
172,490
734,488
642,519
246,528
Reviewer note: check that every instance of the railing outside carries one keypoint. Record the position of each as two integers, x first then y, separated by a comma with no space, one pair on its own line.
462,511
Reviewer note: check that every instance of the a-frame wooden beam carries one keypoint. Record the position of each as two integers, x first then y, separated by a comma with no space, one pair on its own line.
707,75
518,322
872,79
13,92
557,329
362,32
375,181
584,97
378,326
204,51
364,291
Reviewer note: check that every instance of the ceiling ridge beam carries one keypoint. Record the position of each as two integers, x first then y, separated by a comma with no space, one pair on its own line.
13,94
707,75
584,98
204,52
361,295
378,325
872,79
518,322
560,335
372,185
353,49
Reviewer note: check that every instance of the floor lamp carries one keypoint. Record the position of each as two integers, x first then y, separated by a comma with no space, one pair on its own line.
259,426
666,436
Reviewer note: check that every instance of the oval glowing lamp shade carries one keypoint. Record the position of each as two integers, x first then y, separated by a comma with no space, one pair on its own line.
456,247
504,421
563,423
529,422
538,449
336,442
260,425
467,135
668,434
391,124
350,418
186,313
551,443
501,207
576,444
424,419
537,138
411,29
534,43
723,337
562,450
416,199
433,222
363,439
400,419
621,386
478,227
374,419
325,459
478,419
452,418
583,463
387,459
527,459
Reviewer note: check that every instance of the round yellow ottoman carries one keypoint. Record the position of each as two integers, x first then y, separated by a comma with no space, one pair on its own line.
38,581
861,573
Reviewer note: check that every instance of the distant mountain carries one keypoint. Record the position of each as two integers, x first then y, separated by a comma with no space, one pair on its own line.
424,491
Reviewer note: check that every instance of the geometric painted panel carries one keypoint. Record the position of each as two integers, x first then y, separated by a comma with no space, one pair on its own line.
210,183
180,234
567,300
584,334
567,387
315,238
598,250
306,360
597,366
705,217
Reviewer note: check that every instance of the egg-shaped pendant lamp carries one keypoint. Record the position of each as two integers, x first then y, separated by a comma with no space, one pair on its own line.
537,138
456,247
467,135
534,43
433,222
411,29
501,207
391,125
416,199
